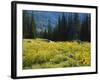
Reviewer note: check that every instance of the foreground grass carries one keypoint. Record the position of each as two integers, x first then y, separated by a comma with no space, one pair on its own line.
38,53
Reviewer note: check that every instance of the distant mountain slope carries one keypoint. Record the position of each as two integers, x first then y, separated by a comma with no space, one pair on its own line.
42,18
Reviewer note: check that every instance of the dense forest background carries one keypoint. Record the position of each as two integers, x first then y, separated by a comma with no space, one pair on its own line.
56,26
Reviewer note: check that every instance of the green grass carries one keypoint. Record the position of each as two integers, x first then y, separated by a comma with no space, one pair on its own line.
37,53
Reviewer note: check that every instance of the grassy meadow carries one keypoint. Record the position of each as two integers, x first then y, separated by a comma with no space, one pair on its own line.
39,53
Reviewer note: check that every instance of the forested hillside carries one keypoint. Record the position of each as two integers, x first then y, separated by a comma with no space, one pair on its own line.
56,26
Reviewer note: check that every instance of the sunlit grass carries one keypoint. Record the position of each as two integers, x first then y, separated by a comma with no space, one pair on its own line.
37,53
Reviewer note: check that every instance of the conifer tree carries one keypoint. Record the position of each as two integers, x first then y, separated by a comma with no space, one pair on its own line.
85,33
76,26
49,29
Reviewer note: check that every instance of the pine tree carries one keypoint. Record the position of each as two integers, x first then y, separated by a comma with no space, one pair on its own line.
26,25
59,29
89,27
33,27
45,34
85,33
63,27
70,32
76,26
49,30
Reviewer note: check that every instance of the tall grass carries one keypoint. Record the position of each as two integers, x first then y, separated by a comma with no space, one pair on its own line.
38,53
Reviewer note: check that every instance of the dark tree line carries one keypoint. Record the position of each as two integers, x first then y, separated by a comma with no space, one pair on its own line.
68,27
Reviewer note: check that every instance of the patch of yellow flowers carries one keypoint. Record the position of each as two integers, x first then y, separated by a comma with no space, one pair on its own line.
38,53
